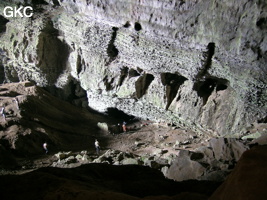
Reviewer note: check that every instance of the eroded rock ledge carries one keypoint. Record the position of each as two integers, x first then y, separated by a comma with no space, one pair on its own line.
199,64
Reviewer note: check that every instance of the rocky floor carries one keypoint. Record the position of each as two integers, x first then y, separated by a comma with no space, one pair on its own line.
33,116
149,139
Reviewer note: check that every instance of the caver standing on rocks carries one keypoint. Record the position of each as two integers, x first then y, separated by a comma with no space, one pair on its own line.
3,113
97,147
16,102
119,128
124,127
45,147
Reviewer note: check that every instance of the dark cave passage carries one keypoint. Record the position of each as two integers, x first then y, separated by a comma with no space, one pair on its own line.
142,84
172,83
119,115
206,87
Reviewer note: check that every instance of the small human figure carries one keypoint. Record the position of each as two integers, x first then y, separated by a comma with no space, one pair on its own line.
97,147
124,127
45,147
119,128
3,113
16,102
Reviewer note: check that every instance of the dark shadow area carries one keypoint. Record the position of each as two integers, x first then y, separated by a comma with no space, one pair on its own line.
116,120
172,83
127,24
79,64
108,83
11,75
263,120
2,74
139,70
72,93
112,51
39,2
207,60
137,26
119,115
9,93
3,22
221,87
77,94
133,73
52,53
205,88
123,76
101,180
56,2
142,84
262,23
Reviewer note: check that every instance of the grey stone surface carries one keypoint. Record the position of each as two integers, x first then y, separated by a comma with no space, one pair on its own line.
213,162
183,168
227,148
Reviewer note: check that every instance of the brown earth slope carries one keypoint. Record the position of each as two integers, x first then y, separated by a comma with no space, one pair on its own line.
39,117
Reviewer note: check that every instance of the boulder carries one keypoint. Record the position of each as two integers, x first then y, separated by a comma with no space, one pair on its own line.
79,157
61,155
86,158
102,159
217,176
70,160
130,161
103,126
158,163
160,151
227,149
183,168
207,152
262,140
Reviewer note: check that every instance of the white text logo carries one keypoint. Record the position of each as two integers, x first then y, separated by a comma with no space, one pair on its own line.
15,12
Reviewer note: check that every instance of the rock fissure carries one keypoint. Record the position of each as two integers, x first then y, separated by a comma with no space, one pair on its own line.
112,51
172,82
3,22
142,84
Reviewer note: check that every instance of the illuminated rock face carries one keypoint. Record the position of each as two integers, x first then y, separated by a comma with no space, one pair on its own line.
199,64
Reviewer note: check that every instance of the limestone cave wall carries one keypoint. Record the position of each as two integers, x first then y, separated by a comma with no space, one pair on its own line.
197,63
